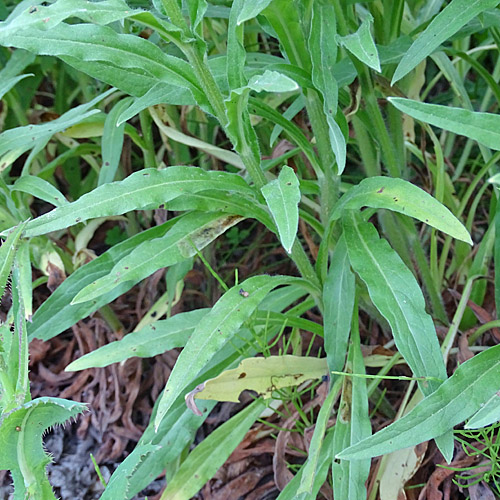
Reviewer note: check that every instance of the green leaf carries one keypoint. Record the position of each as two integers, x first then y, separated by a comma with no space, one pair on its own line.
109,56
282,197
262,375
239,127
16,141
46,17
482,127
353,425
220,324
338,300
488,414
21,434
465,392
323,49
40,188
112,142
56,314
7,83
193,232
396,294
272,81
252,9
142,190
400,196
323,465
361,44
211,454
7,254
455,15
149,341
313,458
159,93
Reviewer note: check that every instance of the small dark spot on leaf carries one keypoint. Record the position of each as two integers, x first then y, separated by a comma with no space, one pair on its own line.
162,205
106,163
288,183
154,314
242,375
33,10
78,219
127,267
381,190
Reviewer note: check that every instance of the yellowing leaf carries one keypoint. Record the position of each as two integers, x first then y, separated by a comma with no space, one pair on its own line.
262,375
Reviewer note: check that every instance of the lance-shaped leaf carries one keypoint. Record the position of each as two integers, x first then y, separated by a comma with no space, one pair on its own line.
219,325
361,44
21,434
487,415
338,298
396,294
125,61
323,50
282,197
262,375
465,392
28,16
353,424
16,141
56,314
323,465
191,234
149,341
40,188
311,466
482,127
251,10
401,196
142,190
210,454
455,15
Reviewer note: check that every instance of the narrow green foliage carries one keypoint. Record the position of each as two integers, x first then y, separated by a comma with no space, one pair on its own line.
454,401
282,197
442,27
401,196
